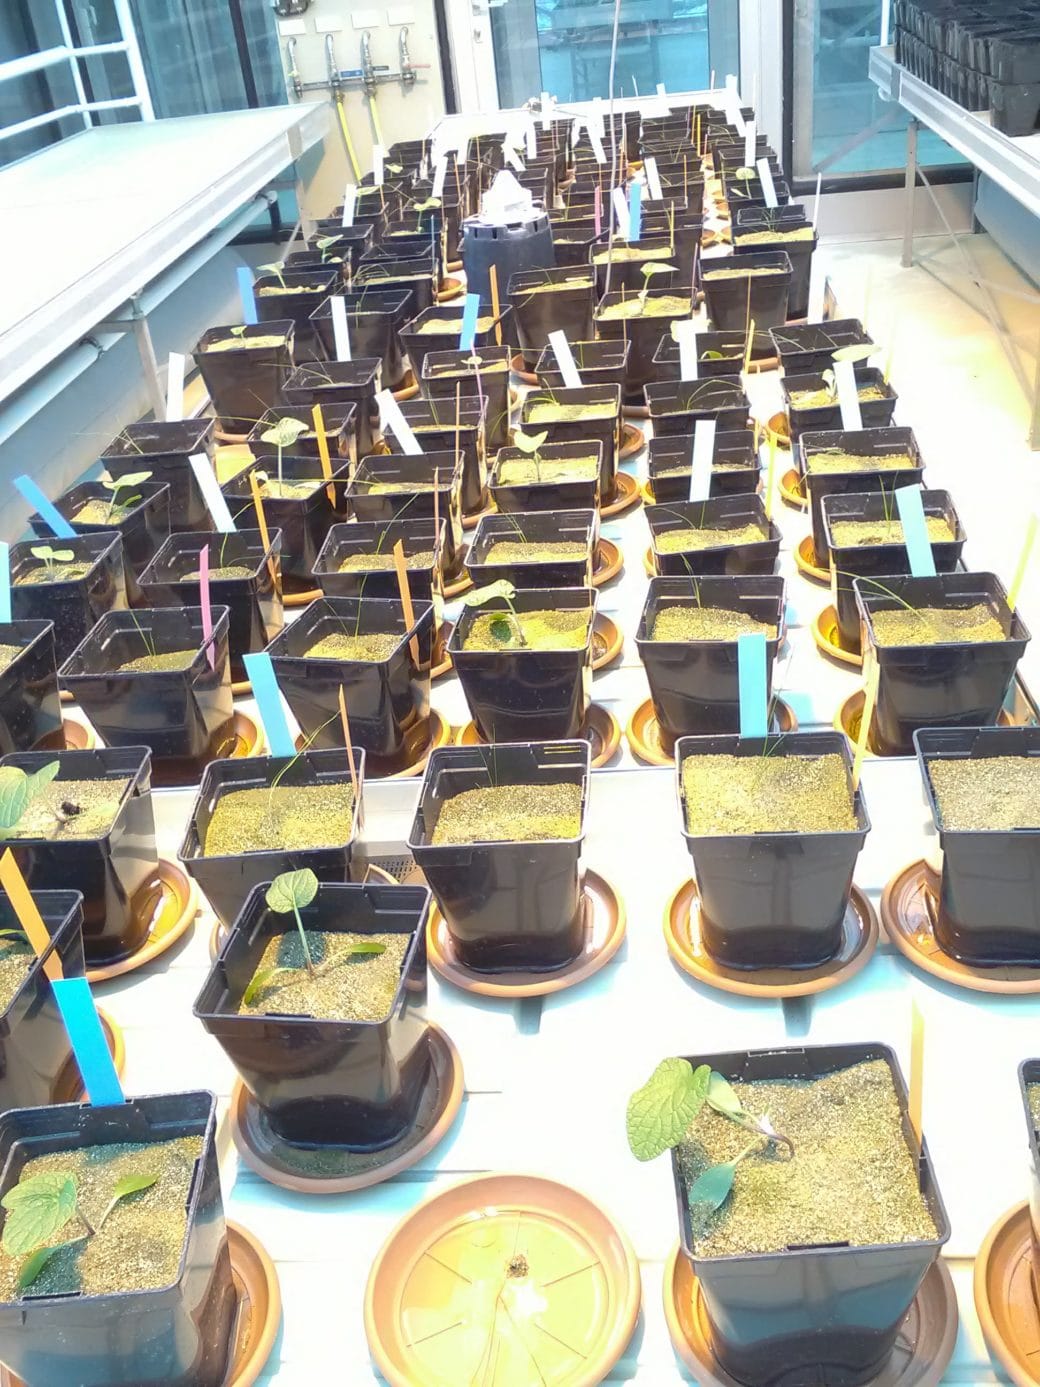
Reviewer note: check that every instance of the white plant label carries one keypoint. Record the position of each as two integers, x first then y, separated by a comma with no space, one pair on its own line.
750,144
816,201
848,395
390,417
349,204
546,111
511,157
440,172
531,140
621,212
596,141
653,179
703,452
211,493
565,359
765,174
340,331
175,388
377,165
596,118
817,284
733,113
685,331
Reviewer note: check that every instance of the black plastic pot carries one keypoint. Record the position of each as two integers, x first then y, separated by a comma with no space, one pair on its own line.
573,239
109,870
304,522
380,537
988,912
521,694
719,512
374,318
227,880
418,344
308,289
628,273
507,905
444,373
604,426
183,716
786,221
76,604
642,333
805,348
181,1335
728,299
415,277
433,422
518,497
344,253
30,709
818,1314
333,384
734,465
731,345
1028,1075
244,381
863,561
350,1084
751,193
532,528
536,314
386,699
418,470
875,414
598,363
340,434
773,900
676,406
865,442
951,685
164,450
142,526
694,684
254,602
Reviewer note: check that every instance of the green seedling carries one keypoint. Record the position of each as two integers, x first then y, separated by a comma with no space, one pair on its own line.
18,790
857,351
52,559
505,627
283,435
275,268
117,485
323,244
239,331
648,272
529,444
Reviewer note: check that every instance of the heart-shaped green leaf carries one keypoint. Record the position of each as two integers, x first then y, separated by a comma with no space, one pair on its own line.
17,790
37,1208
502,587
292,890
285,433
529,443
856,351
712,1187
656,268
660,1113
130,479
502,630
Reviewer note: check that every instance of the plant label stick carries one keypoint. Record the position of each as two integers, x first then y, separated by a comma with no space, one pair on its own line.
703,456
684,330
546,110
340,330
348,743
597,210
378,174
596,141
635,211
440,172
269,702
816,202
470,313
88,1042
770,471
5,583
621,212
322,437
29,917
565,359
869,700
765,174
390,416
749,345
175,387
915,1088
245,293
215,500
848,395
915,531
531,140
206,606
751,681
1013,590
653,180
406,596
496,306
511,157
47,511
750,144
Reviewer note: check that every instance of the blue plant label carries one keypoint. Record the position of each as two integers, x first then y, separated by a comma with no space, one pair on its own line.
635,210
915,531
87,1038
5,582
470,313
245,293
45,508
269,701
751,679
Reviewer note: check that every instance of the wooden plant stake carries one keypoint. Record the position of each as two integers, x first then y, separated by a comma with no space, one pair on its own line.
29,916
406,596
915,1096
318,420
261,520
869,700
495,303
348,743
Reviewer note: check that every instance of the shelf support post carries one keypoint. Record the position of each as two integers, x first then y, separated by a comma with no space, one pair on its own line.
908,201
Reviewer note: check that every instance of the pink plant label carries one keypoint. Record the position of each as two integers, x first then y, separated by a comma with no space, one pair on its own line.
207,610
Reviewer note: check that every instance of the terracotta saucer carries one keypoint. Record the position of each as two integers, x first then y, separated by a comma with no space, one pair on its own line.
471,521
649,743
1004,1298
604,931
626,495
828,640
334,1171
633,441
224,434
72,736
514,397
909,907
791,491
778,430
649,562
554,1263
243,738
460,585
805,562
170,901
69,1085
848,717
443,667
922,1353
600,729
450,289
682,935
241,688
259,1315
295,594
528,377
608,641
608,562
635,411
408,389
423,738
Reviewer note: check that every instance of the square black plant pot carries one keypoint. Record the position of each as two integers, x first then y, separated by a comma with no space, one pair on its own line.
694,684
433,423
348,1084
507,905
374,319
183,715
807,348
109,870
340,433
988,915
423,549
536,527
180,1335
417,277
674,268
789,226
865,561
74,604
304,521
30,706
718,354
773,900
735,467
437,329
875,414
598,363
386,699
601,422
545,301
643,331
333,384
841,1325
164,449
244,380
253,598
677,406
142,524
413,495
306,290
954,684
717,513
445,373
518,693
860,443
227,879
565,493
734,300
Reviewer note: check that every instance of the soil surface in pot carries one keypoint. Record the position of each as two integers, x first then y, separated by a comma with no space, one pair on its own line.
165,660
682,469
371,646
263,817
392,488
243,343
139,1246
752,272
439,326
99,512
762,238
693,622
227,570
578,282
816,399
15,958
860,533
510,813
525,551
992,792
1033,1095
370,563
767,794
836,460
63,573
550,413
487,368
621,254
973,625
272,291
666,306
686,540
9,653
346,984
68,809
288,491
852,1178
525,471
542,630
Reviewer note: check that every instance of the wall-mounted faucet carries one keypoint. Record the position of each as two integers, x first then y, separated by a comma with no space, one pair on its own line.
294,71
404,59
368,76
332,72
